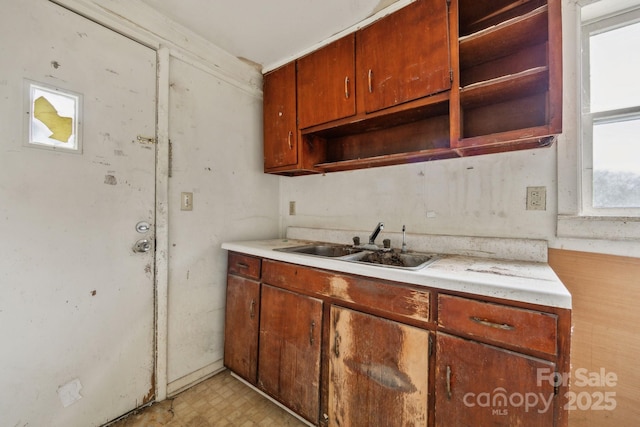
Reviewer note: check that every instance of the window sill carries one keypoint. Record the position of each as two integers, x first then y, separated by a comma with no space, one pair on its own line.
596,227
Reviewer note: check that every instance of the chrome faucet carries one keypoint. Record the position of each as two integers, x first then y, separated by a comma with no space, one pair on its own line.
372,238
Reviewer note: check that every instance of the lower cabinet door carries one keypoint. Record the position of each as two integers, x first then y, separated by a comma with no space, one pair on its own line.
289,356
378,371
241,327
482,385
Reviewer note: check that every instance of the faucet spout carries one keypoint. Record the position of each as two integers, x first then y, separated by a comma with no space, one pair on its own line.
372,238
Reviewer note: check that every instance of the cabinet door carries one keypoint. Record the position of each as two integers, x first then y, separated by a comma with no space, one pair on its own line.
241,327
481,385
289,358
280,129
404,56
326,86
378,371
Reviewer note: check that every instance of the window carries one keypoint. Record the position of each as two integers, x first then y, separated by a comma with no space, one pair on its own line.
611,115
53,118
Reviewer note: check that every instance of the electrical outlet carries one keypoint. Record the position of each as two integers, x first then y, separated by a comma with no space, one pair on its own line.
186,201
292,208
536,198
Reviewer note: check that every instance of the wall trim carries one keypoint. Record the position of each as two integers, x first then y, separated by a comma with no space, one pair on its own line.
194,378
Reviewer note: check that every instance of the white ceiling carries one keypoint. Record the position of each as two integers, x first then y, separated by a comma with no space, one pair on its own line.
267,32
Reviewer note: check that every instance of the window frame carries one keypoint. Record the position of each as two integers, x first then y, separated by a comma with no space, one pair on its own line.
595,26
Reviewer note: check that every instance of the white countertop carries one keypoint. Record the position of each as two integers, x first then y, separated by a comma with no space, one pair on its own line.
524,281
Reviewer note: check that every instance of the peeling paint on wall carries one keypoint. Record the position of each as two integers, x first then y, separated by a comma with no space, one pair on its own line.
69,393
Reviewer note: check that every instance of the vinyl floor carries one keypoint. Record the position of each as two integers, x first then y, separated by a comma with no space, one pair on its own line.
221,400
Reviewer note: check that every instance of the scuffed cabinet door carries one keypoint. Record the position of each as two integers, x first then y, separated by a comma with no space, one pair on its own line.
378,371
280,118
289,356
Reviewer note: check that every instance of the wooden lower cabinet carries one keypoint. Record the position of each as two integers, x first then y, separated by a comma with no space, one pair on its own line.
241,327
289,349
482,385
324,345
378,371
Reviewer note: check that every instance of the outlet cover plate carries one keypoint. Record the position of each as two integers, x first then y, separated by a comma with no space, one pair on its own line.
536,198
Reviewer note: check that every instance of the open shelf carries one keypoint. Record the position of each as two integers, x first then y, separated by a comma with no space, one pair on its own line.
504,39
504,75
388,160
475,16
519,113
505,88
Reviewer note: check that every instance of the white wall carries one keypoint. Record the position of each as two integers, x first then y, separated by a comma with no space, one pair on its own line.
474,196
216,131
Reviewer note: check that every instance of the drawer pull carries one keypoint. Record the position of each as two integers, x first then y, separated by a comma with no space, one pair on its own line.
242,265
485,322
252,309
448,382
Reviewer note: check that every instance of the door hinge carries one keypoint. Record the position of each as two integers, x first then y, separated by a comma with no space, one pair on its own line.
146,140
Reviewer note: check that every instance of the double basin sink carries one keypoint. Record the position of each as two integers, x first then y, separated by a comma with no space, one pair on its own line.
379,257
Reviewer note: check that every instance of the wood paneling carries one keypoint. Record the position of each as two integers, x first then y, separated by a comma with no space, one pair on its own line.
606,292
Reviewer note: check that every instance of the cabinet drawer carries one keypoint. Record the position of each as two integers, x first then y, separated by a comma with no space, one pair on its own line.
244,265
526,329
390,300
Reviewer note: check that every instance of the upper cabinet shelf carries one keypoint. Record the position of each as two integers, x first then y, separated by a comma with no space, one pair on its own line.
436,79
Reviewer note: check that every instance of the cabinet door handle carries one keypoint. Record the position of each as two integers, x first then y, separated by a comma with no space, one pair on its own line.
448,382
336,345
370,75
252,309
289,140
485,322
346,87
312,327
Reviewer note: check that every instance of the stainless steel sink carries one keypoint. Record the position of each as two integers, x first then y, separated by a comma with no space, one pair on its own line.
323,250
388,258
395,259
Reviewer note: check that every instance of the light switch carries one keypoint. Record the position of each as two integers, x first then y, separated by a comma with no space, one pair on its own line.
186,201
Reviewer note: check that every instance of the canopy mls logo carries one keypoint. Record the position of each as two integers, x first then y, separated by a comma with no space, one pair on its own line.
500,401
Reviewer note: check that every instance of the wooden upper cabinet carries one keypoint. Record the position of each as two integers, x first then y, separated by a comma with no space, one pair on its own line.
326,83
404,56
279,109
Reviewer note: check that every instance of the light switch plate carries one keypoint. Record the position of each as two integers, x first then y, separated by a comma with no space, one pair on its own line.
186,201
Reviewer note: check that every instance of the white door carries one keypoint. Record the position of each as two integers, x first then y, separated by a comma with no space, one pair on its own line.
76,300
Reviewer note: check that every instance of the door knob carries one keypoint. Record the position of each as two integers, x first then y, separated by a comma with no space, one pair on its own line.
142,245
